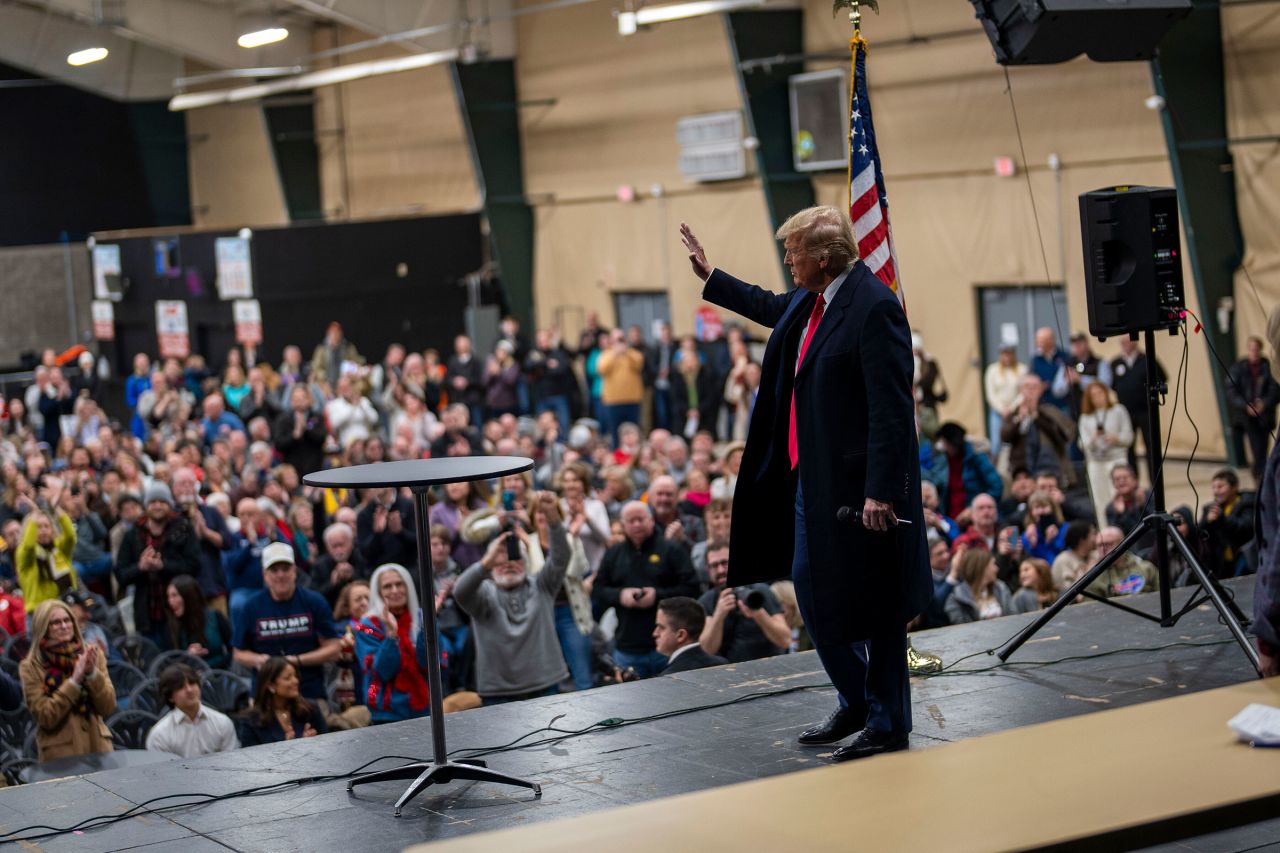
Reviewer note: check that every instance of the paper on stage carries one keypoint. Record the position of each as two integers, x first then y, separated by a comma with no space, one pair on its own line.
1257,724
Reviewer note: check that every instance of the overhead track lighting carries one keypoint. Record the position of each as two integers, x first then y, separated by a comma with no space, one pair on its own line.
86,56
258,38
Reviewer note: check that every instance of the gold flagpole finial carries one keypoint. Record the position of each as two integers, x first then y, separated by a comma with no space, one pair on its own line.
855,15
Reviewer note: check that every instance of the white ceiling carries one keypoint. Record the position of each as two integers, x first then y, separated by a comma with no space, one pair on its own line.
153,43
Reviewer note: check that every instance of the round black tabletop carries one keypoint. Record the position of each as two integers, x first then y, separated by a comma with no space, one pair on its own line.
419,472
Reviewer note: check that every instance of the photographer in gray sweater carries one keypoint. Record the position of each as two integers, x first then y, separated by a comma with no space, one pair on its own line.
518,655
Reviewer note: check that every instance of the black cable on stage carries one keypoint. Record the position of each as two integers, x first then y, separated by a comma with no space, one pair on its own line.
146,807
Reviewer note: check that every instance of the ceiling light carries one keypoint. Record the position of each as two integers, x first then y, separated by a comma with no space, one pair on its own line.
89,54
628,21
258,38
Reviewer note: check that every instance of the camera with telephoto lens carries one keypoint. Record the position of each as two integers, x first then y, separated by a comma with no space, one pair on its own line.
753,598
608,667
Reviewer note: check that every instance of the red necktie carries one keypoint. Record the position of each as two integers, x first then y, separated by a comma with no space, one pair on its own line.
793,445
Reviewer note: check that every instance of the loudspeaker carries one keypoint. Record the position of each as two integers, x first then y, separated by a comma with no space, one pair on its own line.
1132,263
1043,32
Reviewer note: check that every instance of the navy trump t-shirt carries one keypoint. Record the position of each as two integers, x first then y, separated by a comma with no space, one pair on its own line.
285,628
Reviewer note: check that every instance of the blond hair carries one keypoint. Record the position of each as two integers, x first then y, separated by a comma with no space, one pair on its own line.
825,232
40,625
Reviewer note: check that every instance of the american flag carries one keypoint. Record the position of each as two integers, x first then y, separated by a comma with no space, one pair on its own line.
868,207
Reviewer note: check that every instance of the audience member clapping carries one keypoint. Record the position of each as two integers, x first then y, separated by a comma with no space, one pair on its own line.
66,685
279,711
391,649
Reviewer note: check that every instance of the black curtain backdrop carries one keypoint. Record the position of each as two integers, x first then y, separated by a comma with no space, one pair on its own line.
72,163
304,277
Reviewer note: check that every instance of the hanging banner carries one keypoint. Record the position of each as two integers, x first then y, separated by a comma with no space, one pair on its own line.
171,328
104,320
248,316
107,281
235,269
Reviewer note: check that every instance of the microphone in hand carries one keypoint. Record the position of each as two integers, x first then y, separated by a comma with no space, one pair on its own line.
849,515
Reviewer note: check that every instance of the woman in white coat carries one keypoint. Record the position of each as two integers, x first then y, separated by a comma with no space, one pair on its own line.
1105,436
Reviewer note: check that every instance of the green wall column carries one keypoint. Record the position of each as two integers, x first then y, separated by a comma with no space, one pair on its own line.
486,93
1188,74
760,35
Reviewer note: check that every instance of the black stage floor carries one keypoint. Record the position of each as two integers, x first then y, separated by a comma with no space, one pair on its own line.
648,760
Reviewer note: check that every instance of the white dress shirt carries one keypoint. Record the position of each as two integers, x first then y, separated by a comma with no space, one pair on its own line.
828,296
210,731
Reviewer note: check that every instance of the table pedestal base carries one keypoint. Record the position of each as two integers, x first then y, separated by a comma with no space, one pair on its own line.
425,773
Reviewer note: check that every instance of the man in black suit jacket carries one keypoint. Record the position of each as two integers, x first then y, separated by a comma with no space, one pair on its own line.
1252,395
833,427
676,631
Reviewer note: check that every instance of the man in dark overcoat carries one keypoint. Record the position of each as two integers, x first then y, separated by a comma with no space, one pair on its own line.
846,437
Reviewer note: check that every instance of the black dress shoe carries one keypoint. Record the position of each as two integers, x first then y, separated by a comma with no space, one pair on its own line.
870,742
842,723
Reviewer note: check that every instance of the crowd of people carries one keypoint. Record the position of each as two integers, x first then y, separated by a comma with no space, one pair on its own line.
187,523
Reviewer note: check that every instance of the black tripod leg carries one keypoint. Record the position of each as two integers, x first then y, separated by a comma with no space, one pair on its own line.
1217,584
1070,595
1225,608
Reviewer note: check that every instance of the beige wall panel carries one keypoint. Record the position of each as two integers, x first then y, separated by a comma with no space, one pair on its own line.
1252,43
587,251
955,234
406,146
617,99
944,108
232,170
401,147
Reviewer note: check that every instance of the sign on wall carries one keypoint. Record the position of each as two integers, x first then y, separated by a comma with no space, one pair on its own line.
104,320
248,316
171,328
107,280
235,268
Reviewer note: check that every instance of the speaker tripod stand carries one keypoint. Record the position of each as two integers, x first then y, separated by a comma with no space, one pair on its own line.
1165,529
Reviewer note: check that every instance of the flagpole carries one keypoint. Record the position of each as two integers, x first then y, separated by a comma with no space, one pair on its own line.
918,663
855,21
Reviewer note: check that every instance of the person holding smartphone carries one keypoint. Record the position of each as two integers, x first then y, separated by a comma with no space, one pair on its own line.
518,654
